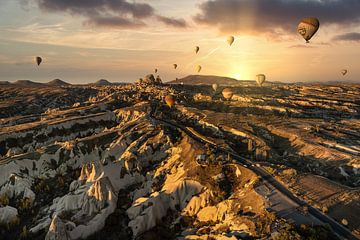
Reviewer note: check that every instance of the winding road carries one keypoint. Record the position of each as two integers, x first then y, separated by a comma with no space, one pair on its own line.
268,180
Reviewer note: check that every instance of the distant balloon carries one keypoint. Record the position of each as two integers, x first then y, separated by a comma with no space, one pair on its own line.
215,86
308,27
344,72
197,49
38,60
260,79
175,66
227,93
198,68
230,40
156,70
170,100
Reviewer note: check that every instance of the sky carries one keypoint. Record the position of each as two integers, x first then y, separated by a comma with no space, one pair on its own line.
83,41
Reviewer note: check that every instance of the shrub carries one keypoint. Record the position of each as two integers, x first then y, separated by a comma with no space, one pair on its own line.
25,204
4,201
24,234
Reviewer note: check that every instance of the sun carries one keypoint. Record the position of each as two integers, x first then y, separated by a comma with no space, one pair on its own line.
236,76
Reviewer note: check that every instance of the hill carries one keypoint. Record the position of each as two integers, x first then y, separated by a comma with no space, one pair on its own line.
58,82
27,83
102,82
208,80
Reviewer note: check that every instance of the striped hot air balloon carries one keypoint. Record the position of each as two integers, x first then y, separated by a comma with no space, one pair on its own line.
260,79
308,27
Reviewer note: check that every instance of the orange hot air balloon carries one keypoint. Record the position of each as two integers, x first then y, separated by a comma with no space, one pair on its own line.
170,100
198,68
38,60
227,93
230,40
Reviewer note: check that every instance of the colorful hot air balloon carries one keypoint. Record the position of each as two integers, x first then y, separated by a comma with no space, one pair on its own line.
175,66
227,93
230,40
198,68
344,72
308,27
197,49
38,60
215,86
260,79
170,100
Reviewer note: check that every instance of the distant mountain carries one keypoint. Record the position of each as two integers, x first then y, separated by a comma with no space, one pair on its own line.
208,80
27,83
4,82
336,82
58,82
330,82
102,82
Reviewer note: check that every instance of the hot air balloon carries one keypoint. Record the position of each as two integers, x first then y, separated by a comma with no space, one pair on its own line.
215,86
344,72
198,68
170,101
230,40
260,79
175,65
197,49
155,70
227,93
38,60
308,27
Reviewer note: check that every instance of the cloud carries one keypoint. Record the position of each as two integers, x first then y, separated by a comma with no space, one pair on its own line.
279,16
96,7
113,22
179,23
108,13
302,46
350,37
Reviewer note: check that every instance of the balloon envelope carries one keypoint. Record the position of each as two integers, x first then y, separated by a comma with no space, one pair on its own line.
197,49
156,70
170,101
38,60
198,68
175,65
260,79
230,40
227,93
215,86
308,27
344,72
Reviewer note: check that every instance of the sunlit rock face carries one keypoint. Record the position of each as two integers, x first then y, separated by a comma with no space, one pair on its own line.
119,163
149,80
8,215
